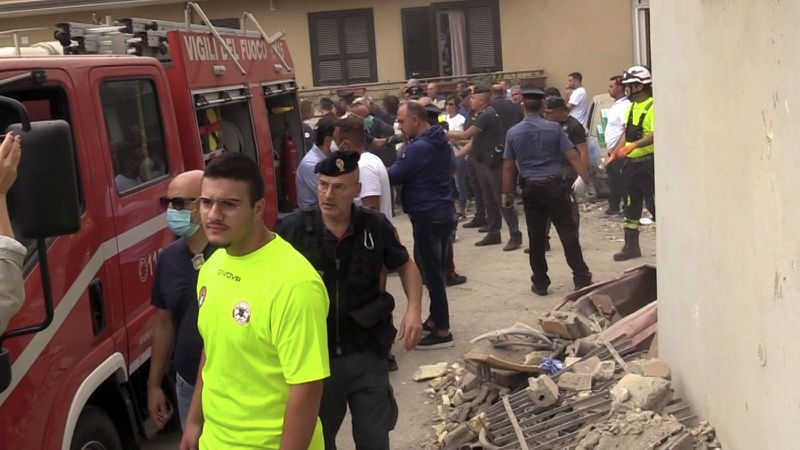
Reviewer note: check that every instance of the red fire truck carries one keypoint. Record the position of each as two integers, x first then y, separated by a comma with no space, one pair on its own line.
133,103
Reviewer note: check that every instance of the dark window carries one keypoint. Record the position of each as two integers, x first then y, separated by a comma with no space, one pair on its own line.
452,39
135,137
342,47
419,45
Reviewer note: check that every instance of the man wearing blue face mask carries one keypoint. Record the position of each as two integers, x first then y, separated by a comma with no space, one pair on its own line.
174,294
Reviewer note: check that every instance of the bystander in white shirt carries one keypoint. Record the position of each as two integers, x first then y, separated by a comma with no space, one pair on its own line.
580,105
615,124
375,182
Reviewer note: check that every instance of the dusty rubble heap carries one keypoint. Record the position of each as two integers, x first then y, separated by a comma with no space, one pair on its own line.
589,380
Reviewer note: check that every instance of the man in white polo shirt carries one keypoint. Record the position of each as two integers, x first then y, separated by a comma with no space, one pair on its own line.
614,131
578,103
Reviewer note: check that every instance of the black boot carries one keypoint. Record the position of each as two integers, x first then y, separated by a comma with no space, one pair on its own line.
631,248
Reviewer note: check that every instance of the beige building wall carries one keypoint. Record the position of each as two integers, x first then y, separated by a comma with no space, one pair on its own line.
590,36
727,187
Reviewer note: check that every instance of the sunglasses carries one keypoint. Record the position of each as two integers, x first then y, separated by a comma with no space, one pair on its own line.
178,203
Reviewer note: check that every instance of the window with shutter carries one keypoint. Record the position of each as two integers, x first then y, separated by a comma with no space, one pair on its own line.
419,45
483,36
342,47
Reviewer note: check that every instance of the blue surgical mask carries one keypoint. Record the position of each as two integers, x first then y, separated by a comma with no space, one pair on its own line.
180,222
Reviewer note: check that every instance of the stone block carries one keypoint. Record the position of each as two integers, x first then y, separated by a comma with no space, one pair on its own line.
604,371
646,393
575,382
567,325
535,358
587,366
651,368
542,391
430,371
570,360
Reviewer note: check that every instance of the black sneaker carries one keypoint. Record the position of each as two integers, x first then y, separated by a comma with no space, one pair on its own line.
483,229
475,223
392,363
539,290
433,342
582,284
456,279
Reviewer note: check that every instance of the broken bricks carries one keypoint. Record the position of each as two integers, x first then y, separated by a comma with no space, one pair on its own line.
567,325
543,391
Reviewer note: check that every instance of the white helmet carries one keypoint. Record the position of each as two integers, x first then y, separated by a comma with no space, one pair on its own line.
637,74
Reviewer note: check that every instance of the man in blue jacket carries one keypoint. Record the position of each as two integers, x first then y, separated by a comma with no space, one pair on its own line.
424,171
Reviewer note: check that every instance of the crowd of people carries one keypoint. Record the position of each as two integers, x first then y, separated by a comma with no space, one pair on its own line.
277,333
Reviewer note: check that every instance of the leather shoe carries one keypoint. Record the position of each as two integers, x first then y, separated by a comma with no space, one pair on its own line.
489,239
456,279
539,290
483,229
513,244
475,223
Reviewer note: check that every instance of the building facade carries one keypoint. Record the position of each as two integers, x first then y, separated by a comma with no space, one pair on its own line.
364,42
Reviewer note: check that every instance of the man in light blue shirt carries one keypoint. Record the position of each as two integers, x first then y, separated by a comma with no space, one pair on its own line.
306,179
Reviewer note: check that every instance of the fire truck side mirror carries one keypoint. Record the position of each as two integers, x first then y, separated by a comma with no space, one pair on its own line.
45,196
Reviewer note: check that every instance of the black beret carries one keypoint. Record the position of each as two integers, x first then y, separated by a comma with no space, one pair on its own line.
555,103
532,92
481,89
338,163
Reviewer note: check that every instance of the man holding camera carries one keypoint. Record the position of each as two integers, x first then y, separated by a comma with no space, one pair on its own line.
349,245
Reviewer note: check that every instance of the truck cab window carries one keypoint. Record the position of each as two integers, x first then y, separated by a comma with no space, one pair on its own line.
135,136
43,102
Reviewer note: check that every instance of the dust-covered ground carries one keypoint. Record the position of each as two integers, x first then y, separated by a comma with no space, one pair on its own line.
497,294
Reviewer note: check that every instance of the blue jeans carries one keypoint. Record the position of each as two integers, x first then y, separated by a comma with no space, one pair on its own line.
184,391
432,232
462,183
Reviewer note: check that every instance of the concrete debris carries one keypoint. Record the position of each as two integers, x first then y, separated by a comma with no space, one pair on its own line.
638,392
651,368
604,371
543,391
635,430
568,325
430,371
575,382
587,366
608,394
535,358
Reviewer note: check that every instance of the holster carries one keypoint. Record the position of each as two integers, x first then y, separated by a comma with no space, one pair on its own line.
373,313
375,319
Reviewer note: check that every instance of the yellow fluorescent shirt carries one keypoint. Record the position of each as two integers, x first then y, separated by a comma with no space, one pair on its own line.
647,126
262,318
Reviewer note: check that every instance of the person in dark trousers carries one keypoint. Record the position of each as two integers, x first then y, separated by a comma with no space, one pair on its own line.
637,153
175,335
349,245
534,149
486,146
613,133
555,110
425,171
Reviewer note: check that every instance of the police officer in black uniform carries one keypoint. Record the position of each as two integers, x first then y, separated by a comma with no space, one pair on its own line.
535,148
349,245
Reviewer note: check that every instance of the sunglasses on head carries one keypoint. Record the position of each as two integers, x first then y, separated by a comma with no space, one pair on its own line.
178,203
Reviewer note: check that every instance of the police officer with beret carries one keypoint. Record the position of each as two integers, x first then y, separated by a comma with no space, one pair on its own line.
349,245
535,147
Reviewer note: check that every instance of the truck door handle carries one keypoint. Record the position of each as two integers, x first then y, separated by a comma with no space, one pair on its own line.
97,305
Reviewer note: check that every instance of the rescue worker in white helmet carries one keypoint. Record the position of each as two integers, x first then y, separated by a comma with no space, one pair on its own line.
637,154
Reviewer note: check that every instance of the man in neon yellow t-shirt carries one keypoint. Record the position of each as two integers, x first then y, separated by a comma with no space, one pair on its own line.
262,313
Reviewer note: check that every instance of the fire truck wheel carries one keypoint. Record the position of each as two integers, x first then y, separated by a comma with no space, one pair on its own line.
95,431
